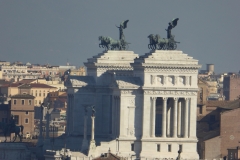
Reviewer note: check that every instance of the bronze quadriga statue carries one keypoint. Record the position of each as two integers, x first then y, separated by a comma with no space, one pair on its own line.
156,42
109,43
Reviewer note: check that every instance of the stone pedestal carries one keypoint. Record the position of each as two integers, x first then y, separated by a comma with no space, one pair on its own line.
92,149
14,151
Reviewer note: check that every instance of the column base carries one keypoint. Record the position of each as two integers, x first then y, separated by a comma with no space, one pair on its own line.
92,149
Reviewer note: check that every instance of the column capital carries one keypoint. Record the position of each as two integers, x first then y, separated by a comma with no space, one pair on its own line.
153,98
176,98
165,98
187,98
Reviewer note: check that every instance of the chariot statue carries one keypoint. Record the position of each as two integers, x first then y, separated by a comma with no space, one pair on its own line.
109,43
156,42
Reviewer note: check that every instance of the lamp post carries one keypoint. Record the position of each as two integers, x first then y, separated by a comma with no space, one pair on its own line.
92,146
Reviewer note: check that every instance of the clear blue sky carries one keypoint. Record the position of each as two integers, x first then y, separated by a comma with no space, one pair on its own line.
57,31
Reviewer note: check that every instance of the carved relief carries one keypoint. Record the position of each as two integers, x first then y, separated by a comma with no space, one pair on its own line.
175,80
105,68
186,80
131,91
181,80
132,132
190,93
153,79
132,102
171,80
165,80
160,80
164,70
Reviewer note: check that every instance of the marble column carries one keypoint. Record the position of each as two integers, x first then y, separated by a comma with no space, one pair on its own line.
186,117
153,99
164,120
118,116
192,117
169,110
92,146
175,118
146,113
113,116
122,118
179,122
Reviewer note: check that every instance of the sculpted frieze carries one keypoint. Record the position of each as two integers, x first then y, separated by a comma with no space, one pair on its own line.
167,70
105,68
189,93
131,91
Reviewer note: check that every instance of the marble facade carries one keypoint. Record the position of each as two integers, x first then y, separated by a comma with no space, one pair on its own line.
145,105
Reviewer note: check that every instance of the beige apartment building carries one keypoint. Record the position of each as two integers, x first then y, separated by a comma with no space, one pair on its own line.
22,108
38,90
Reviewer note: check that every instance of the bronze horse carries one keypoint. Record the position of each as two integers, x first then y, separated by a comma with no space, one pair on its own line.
156,42
16,130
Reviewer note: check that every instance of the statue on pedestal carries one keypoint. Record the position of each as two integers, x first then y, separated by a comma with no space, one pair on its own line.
156,42
12,128
110,44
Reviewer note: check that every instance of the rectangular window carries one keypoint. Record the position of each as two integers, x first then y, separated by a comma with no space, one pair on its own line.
132,147
36,94
169,148
180,147
30,102
26,120
14,101
43,94
26,112
158,147
39,94
36,102
22,102
40,102
16,118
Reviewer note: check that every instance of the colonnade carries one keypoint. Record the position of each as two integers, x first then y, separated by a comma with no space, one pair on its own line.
175,117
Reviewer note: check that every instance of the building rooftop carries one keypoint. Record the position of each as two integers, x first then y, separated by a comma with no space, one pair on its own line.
23,96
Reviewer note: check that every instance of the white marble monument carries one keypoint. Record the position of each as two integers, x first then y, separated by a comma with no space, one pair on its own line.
145,105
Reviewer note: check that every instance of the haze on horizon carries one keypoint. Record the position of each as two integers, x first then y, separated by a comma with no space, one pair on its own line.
58,31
